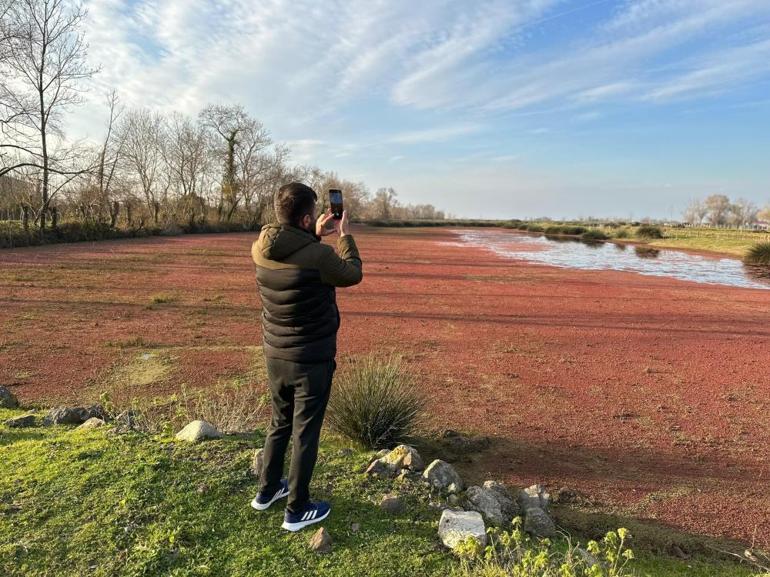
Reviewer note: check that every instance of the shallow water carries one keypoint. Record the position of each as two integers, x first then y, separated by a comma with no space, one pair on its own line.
572,253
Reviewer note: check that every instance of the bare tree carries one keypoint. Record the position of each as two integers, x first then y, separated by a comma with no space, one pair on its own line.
237,139
742,213
142,156
718,206
41,77
384,202
186,156
695,212
764,214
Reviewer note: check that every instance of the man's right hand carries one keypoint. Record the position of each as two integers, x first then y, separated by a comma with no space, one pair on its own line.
342,226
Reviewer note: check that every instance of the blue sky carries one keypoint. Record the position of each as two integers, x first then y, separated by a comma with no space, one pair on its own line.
517,108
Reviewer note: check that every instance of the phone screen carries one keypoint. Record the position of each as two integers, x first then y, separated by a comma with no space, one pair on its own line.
335,200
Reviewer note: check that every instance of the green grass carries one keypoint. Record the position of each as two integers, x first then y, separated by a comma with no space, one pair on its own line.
98,503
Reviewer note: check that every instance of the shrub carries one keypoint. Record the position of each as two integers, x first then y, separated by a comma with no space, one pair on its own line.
759,254
374,402
649,231
594,235
513,554
534,228
622,232
554,229
573,230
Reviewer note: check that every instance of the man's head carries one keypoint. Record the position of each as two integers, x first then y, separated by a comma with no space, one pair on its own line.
295,205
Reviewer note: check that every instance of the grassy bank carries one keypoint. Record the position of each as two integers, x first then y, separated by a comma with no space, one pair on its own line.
100,503
723,241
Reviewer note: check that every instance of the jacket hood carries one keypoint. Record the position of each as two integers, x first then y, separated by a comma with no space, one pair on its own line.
278,241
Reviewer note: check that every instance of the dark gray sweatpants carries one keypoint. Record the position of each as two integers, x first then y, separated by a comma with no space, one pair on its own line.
300,393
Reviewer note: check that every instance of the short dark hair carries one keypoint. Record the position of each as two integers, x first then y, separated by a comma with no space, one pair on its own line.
293,201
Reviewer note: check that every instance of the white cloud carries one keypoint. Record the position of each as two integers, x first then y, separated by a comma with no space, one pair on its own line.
436,134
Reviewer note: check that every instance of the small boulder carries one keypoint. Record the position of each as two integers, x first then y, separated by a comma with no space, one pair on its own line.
126,421
380,468
392,504
355,527
404,457
258,462
21,421
321,541
507,503
92,423
442,475
381,453
7,399
196,431
454,527
538,523
485,502
534,496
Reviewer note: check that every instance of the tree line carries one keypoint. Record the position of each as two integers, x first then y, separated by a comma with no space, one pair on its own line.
152,170
720,210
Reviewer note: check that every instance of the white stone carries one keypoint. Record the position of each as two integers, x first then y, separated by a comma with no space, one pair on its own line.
454,527
197,431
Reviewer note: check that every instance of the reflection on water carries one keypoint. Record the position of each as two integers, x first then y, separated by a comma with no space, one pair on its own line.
609,256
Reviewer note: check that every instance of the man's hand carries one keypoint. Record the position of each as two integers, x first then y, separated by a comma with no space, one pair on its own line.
320,224
342,225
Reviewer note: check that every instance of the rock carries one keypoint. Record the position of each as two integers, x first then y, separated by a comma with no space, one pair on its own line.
20,421
258,463
379,468
485,502
196,431
404,457
126,421
442,475
392,504
346,452
73,415
7,399
508,505
538,523
355,527
453,500
321,541
202,488
454,527
92,423
534,496
382,452
565,495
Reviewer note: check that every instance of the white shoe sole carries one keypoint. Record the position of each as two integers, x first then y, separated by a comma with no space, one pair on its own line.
263,506
302,524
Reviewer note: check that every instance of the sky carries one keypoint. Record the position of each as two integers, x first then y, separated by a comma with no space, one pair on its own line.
491,109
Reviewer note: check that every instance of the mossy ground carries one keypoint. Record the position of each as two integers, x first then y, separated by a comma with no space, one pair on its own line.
100,503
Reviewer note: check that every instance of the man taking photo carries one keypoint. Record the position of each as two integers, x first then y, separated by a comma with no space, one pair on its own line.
297,275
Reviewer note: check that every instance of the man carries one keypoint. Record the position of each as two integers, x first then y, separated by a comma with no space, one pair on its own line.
297,276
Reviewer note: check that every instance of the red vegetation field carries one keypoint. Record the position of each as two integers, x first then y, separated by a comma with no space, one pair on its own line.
648,395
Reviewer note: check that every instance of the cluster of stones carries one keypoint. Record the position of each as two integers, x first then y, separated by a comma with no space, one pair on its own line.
85,417
469,508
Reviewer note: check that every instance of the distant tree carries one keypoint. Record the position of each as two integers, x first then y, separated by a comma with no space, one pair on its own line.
718,206
742,213
143,137
764,214
236,139
695,212
384,202
41,74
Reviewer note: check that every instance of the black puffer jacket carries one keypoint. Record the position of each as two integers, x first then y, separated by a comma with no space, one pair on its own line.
296,276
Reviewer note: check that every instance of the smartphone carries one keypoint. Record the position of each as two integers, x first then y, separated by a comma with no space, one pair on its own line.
335,201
